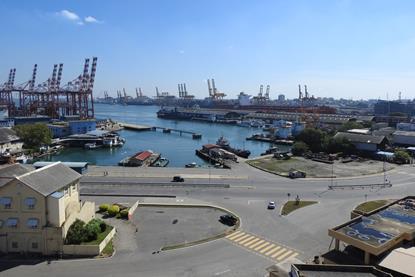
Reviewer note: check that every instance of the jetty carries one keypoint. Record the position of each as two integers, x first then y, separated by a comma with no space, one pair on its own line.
135,127
169,130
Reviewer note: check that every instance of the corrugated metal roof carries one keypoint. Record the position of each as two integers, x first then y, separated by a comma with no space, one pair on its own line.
51,178
68,164
7,135
143,155
370,139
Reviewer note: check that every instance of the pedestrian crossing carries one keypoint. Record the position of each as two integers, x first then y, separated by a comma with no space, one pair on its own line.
261,246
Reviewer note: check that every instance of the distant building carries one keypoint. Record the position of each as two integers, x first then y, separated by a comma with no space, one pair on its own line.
362,142
281,97
404,138
6,122
38,206
64,129
9,141
388,107
405,126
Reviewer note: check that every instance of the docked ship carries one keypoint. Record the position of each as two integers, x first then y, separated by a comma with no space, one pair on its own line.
224,144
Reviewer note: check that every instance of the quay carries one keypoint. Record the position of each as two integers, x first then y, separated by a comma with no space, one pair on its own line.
169,130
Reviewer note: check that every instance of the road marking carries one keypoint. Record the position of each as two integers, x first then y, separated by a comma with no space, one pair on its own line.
278,253
241,238
293,256
234,235
267,248
247,239
248,243
256,244
284,255
272,251
261,246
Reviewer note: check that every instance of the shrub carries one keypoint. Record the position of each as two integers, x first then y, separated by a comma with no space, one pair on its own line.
92,230
113,210
103,226
299,148
401,157
124,213
76,233
103,208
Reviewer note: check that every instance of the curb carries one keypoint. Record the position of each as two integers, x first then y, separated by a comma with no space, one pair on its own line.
126,195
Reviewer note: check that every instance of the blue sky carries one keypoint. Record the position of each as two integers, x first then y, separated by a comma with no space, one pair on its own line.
350,49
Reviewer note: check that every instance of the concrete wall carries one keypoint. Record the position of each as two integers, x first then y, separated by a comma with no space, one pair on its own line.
88,250
56,214
86,213
132,210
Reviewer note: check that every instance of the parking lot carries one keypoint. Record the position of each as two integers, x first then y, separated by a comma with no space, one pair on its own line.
166,226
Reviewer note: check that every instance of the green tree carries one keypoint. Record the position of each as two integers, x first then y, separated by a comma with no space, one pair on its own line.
299,148
34,135
314,138
92,229
401,157
350,125
337,145
76,233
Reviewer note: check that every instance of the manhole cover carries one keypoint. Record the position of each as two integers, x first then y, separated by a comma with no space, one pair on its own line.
175,221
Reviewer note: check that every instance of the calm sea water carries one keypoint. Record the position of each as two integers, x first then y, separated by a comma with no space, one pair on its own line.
180,150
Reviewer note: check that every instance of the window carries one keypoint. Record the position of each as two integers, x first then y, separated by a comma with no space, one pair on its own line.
32,223
15,244
35,245
6,202
30,202
12,222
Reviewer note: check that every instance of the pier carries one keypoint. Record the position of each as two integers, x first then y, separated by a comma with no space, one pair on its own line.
169,130
135,127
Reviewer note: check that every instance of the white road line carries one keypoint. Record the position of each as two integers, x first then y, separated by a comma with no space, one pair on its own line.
221,272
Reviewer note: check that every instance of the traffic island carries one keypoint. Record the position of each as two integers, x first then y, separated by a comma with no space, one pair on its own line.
291,206
179,226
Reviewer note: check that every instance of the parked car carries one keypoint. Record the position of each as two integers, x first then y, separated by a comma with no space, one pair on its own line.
271,205
296,174
178,179
227,219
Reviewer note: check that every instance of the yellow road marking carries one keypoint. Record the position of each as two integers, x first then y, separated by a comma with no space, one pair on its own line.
241,238
272,251
256,244
261,246
293,256
250,242
284,255
278,253
267,248
236,234
247,239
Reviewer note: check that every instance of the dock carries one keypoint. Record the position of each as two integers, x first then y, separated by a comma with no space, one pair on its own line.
181,132
135,127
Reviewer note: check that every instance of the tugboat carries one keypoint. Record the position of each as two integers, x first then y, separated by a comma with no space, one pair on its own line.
162,162
224,144
191,165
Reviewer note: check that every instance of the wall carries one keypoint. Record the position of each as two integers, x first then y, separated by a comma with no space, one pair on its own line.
132,210
11,147
88,250
86,213
23,235
404,140
82,126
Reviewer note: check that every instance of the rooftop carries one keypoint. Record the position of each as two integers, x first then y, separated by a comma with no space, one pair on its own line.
361,138
311,270
380,230
51,178
9,172
404,133
7,135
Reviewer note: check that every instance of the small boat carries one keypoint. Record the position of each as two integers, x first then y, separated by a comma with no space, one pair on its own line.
191,165
91,146
162,162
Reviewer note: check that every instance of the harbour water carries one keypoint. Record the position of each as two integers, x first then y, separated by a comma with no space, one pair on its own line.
180,150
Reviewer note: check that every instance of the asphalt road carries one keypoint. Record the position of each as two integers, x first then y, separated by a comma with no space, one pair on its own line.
304,231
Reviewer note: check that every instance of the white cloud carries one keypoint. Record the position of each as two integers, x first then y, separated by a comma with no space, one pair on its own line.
69,15
91,19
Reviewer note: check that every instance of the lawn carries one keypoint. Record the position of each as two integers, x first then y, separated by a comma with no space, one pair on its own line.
369,206
108,250
100,238
290,206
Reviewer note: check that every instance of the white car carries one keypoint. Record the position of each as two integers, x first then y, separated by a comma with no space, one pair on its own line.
271,205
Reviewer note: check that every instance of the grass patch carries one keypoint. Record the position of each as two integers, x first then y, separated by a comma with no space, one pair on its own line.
290,206
369,206
108,250
100,238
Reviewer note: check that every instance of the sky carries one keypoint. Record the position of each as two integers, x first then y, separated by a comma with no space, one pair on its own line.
339,48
